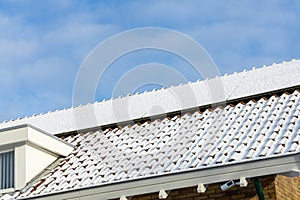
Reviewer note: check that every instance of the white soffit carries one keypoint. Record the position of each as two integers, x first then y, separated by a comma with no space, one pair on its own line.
200,93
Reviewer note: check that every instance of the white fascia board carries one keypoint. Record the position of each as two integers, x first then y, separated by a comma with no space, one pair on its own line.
212,175
13,135
46,141
29,134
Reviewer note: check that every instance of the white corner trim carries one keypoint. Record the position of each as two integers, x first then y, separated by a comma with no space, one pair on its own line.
208,176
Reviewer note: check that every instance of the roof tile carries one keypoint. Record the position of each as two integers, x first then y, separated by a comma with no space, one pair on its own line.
240,133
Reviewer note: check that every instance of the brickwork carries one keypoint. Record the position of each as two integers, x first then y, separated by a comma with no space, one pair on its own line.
287,188
214,192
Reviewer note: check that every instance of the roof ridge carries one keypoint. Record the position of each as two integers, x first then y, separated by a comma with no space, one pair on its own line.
147,92
254,68
234,85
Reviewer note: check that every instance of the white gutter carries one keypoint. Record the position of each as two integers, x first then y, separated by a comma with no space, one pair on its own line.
263,167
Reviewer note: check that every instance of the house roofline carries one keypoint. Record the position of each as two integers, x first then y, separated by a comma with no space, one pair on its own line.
224,88
201,108
255,168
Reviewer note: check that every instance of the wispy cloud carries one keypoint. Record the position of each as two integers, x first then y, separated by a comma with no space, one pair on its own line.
41,48
42,44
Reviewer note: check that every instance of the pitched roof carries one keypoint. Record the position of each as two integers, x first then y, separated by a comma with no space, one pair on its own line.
195,141
243,133
176,98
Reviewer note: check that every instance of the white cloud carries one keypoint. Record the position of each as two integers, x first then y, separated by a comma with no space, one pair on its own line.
38,62
43,44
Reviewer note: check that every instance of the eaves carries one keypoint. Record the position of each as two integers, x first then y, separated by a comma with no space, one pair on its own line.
262,167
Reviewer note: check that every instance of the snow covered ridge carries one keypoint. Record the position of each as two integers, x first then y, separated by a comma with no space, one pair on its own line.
176,98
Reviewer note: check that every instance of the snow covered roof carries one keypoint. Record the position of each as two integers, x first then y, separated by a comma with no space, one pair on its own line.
255,135
267,128
176,98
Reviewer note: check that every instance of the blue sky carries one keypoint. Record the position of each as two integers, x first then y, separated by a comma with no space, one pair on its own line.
43,43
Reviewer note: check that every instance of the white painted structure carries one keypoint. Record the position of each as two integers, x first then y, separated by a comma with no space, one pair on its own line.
34,150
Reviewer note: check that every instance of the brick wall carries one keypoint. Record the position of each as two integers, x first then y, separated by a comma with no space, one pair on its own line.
287,188
274,187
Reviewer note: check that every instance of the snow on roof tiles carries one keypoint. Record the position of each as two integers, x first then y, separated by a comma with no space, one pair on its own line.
257,129
228,87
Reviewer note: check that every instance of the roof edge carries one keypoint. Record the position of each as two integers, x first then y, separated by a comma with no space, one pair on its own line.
262,167
36,129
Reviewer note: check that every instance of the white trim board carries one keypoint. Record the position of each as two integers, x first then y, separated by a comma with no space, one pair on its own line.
251,169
